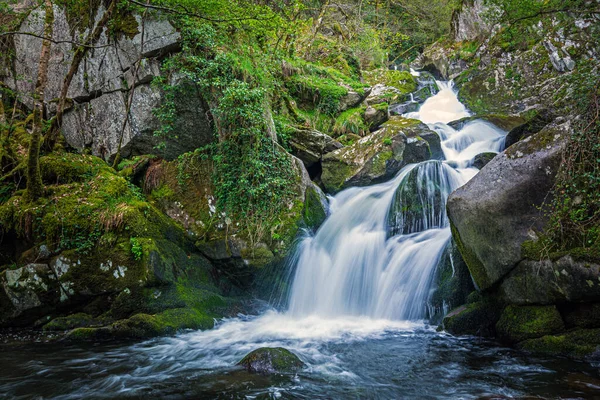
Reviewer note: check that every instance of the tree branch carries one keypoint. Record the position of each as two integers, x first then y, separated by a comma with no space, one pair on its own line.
79,44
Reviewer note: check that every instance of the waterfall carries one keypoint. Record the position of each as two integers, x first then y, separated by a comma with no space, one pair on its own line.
376,254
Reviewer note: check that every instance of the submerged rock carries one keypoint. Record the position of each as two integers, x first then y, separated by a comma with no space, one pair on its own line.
379,156
271,360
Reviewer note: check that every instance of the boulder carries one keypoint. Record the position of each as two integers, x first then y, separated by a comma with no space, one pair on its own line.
552,281
579,344
310,145
483,159
316,207
505,122
271,360
519,323
381,93
495,212
380,155
376,116
542,118
477,319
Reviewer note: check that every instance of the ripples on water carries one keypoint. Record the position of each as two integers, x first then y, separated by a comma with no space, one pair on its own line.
350,358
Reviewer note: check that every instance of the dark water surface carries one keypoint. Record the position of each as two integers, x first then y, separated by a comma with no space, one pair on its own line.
346,359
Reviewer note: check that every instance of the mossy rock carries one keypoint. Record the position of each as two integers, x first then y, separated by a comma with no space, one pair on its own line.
478,319
79,320
315,207
271,360
583,315
400,80
519,323
579,344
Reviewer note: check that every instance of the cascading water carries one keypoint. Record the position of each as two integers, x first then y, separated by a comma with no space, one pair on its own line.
355,313
376,254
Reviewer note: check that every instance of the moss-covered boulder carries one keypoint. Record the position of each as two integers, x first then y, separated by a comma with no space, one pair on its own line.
271,360
361,120
579,344
536,123
495,212
581,315
551,281
402,81
519,323
379,156
478,318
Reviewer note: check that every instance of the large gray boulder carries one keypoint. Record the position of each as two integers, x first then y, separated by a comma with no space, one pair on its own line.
495,212
380,155
99,91
470,22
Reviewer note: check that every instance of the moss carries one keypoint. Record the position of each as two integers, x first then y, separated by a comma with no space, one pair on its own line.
477,318
519,323
79,320
314,213
271,360
579,343
351,122
379,162
546,138
401,80
257,257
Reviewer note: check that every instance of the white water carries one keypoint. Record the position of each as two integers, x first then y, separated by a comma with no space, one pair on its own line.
355,279
353,266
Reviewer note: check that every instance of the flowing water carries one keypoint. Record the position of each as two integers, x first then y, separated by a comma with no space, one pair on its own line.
357,313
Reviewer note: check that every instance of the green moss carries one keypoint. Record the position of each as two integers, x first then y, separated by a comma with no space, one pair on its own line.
79,320
314,213
477,319
579,343
401,80
519,323
380,162
351,122
271,360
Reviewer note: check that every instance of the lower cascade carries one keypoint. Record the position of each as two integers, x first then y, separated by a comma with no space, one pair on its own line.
377,253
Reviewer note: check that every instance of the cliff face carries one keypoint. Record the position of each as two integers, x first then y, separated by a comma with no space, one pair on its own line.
100,91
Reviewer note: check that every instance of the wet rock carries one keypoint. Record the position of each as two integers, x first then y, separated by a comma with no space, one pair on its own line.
542,118
271,360
495,212
552,281
478,319
519,323
379,156
316,207
505,122
483,159
310,145
580,344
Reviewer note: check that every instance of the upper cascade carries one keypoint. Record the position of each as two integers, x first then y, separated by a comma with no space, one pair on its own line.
377,253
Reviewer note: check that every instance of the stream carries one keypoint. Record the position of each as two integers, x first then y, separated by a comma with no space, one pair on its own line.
357,312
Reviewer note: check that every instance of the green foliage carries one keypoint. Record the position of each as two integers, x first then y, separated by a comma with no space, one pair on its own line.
136,248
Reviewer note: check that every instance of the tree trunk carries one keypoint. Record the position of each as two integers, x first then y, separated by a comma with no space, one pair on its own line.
80,53
35,188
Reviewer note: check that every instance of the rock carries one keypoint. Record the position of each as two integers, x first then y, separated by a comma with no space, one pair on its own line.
351,99
100,88
483,159
271,360
550,282
453,282
375,116
581,315
561,64
381,93
316,207
519,323
379,156
478,319
469,22
495,212
580,344
542,118
439,61
310,145
505,122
